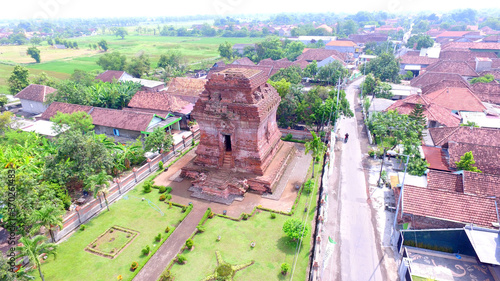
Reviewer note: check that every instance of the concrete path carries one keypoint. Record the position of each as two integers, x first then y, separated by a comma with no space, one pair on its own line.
170,248
357,254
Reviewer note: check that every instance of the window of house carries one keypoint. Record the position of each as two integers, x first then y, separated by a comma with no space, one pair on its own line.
116,132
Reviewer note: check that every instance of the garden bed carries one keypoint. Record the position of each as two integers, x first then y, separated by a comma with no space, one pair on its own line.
112,242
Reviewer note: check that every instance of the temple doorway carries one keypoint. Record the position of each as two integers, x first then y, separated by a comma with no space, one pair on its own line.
227,142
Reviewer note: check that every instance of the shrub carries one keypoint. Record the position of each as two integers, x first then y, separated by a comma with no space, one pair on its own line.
162,189
288,137
181,259
163,197
168,196
371,153
145,251
170,205
294,228
184,208
273,215
166,276
160,165
167,230
168,189
158,237
244,217
82,227
211,215
308,186
156,186
189,243
146,188
201,228
134,265
285,267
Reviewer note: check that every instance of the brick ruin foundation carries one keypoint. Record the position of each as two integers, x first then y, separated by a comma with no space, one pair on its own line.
240,148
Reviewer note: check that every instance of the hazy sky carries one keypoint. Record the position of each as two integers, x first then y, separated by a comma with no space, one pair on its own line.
28,9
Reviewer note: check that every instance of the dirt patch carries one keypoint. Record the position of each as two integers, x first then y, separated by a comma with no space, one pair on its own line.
112,242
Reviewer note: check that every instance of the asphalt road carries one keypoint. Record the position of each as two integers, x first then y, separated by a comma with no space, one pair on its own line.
356,254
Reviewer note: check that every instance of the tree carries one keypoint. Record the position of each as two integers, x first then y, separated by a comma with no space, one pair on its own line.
384,67
33,248
294,228
48,217
316,146
139,65
311,70
34,53
3,100
173,59
50,42
44,79
121,32
103,45
79,120
35,40
417,115
285,267
282,86
18,80
271,48
226,50
331,73
369,84
292,74
466,163
158,140
5,120
112,61
487,78
100,184
420,41
293,50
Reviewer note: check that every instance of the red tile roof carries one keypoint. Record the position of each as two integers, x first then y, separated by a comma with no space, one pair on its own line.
365,38
487,92
464,55
62,107
302,63
342,43
486,156
445,181
430,77
278,64
243,61
412,59
436,158
459,67
460,99
481,184
432,111
452,34
35,92
266,69
157,101
121,119
185,86
472,45
441,136
110,75
320,54
449,206
443,85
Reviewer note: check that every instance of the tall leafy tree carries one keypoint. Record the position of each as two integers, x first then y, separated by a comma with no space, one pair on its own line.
292,74
158,140
122,32
384,67
226,50
33,248
18,79
316,146
417,115
112,61
103,45
139,65
34,52
79,120
99,184
48,217
331,73
467,163
295,228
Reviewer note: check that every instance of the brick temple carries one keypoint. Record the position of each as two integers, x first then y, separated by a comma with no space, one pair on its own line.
240,148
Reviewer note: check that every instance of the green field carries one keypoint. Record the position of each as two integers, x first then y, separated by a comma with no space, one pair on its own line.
272,247
61,63
74,263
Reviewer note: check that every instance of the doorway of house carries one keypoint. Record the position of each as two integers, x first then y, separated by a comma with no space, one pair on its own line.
227,142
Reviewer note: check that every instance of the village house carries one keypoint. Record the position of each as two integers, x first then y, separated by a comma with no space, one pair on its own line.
344,47
33,98
163,105
187,89
122,76
122,125
319,55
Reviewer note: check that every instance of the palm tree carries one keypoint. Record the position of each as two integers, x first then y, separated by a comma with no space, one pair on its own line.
101,184
48,216
316,146
33,248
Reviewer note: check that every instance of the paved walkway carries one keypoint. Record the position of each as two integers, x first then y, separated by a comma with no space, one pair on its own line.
170,248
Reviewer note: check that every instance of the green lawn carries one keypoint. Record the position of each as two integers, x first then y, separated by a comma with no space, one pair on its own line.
74,263
272,246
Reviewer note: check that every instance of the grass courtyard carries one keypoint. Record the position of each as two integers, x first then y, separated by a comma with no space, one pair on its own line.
74,263
272,247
